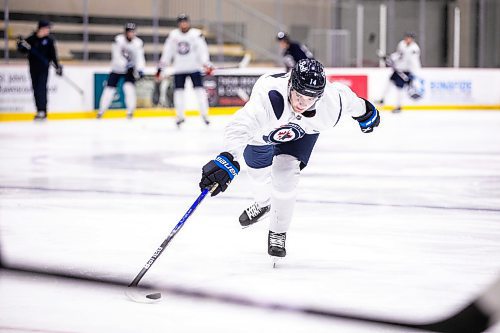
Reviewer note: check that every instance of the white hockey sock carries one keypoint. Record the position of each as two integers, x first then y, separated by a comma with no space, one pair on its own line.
179,103
106,98
261,185
285,178
130,97
201,96
386,90
399,97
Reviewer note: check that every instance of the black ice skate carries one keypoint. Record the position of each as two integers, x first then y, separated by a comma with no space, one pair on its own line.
253,214
206,120
276,245
179,122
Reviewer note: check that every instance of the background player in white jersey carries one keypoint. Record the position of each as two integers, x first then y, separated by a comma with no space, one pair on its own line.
275,133
406,63
127,62
186,49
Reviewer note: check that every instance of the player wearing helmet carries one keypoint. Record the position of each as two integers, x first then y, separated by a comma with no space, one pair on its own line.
275,133
127,64
186,50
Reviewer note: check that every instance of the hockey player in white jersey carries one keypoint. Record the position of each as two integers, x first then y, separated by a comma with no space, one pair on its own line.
275,133
406,63
127,62
186,49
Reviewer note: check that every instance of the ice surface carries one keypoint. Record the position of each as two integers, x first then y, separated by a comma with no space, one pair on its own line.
402,223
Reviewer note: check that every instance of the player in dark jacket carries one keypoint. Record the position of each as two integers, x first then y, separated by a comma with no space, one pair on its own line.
292,51
41,51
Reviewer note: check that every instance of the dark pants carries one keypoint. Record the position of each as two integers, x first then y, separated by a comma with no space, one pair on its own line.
401,79
39,83
180,80
113,78
258,157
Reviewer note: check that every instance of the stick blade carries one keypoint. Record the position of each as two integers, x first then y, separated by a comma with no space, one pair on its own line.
142,295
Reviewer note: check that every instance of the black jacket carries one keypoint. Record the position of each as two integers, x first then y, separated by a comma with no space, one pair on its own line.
294,53
42,52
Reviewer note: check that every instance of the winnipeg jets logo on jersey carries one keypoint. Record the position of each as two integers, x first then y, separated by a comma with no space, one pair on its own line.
285,133
183,47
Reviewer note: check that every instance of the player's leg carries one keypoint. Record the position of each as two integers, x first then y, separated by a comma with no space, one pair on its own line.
386,91
285,178
290,159
258,160
130,95
108,93
39,83
179,98
201,96
399,80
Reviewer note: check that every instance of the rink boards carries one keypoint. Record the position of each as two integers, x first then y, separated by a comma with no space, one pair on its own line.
441,89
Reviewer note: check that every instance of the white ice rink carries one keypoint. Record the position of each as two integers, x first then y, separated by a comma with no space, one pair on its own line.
403,223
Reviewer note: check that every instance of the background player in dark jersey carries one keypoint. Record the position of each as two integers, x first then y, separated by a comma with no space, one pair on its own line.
292,51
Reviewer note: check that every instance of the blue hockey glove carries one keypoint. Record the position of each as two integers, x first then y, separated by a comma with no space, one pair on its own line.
220,171
370,119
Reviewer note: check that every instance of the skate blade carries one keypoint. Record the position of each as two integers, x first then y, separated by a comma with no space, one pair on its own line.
275,261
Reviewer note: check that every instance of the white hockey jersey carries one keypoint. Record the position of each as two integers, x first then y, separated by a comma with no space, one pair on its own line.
268,118
407,57
187,52
125,54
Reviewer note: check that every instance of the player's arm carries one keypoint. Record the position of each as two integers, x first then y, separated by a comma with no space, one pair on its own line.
140,58
166,55
53,57
204,55
238,133
360,109
116,53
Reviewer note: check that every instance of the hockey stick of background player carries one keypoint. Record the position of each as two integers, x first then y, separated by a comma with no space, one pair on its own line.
242,64
28,47
131,291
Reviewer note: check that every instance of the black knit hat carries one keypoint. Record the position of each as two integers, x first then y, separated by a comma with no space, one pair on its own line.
43,24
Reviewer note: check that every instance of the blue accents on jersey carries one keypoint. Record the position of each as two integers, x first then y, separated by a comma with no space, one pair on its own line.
340,112
226,165
278,75
258,157
277,102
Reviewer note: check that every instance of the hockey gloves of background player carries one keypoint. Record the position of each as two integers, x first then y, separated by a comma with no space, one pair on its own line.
59,70
370,119
220,171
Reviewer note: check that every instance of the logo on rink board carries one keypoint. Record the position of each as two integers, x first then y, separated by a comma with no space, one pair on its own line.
285,133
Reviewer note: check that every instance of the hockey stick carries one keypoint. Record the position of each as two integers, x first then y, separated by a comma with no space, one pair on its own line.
242,64
131,292
28,47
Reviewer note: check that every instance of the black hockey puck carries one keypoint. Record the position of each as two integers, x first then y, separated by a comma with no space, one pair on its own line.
154,296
